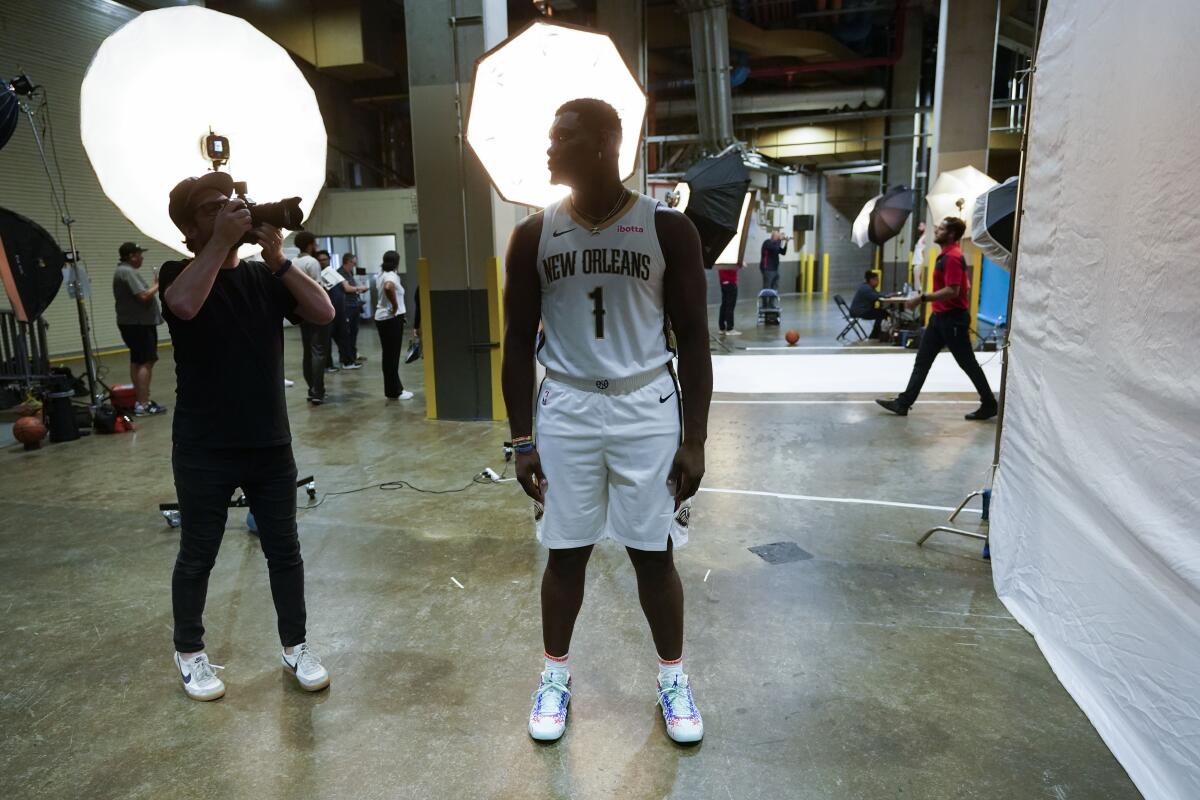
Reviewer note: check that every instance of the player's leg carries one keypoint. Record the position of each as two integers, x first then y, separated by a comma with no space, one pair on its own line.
661,594
568,431
643,436
562,597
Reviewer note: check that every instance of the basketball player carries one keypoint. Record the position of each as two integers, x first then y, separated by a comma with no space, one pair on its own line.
607,272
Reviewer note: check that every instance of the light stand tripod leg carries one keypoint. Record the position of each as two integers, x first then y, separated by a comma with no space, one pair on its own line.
952,517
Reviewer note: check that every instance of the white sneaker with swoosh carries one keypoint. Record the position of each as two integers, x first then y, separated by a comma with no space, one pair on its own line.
199,680
304,664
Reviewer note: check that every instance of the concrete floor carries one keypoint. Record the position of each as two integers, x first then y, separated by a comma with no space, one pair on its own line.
870,669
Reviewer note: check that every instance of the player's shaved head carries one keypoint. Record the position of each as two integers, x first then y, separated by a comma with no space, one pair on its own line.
595,115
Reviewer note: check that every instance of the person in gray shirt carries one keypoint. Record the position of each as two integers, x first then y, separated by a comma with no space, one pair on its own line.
138,318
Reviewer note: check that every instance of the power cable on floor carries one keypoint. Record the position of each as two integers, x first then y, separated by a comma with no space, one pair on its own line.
481,479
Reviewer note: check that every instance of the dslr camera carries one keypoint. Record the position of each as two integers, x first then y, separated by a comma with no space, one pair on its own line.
284,213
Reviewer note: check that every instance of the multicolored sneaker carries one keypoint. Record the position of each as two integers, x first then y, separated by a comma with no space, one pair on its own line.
548,718
679,711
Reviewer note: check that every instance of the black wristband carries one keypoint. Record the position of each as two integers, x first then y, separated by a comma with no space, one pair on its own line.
287,264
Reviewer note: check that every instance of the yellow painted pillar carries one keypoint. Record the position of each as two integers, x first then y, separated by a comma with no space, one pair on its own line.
825,273
427,338
910,268
495,300
976,275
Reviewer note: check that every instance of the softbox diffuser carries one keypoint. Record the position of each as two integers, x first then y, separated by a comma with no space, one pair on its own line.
31,265
716,202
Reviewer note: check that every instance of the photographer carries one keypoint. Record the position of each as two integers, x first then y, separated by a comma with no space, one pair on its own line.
231,427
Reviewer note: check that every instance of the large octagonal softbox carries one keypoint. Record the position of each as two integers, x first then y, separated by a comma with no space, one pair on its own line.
31,265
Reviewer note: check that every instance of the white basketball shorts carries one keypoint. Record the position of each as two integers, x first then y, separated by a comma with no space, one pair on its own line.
606,457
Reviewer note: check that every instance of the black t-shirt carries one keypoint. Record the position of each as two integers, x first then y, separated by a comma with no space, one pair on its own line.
229,359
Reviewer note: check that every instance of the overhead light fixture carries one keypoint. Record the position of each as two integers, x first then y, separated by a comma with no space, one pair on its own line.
158,87
519,84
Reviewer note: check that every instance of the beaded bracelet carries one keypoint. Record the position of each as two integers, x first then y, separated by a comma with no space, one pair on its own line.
523,444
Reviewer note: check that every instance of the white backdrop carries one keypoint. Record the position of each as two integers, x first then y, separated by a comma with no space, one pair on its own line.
1096,527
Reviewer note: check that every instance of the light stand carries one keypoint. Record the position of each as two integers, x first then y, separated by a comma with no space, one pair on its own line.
74,284
1012,287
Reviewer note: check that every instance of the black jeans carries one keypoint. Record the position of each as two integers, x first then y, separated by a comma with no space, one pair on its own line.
316,341
391,340
950,329
350,352
728,301
204,482
877,314
770,278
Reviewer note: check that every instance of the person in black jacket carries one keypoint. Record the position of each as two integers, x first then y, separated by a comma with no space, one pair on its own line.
772,249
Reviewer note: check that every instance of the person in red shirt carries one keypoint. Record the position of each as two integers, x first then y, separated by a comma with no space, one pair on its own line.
729,294
949,325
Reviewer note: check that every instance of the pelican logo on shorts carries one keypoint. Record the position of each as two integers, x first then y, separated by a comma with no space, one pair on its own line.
602,385
545,397
683,516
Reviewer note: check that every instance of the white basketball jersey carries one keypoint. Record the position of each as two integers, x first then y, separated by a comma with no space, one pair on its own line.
602,293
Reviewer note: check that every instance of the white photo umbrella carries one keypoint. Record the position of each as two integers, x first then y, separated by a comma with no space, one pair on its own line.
519,85
174,65
953,194
860,231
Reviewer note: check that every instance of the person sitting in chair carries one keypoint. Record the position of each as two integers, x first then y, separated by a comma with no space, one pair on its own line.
865,304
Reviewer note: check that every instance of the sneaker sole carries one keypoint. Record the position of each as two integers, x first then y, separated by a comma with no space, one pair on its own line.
684,740
314,687
546,737
205,698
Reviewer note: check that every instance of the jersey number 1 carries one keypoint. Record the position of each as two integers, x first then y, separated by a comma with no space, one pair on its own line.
597,298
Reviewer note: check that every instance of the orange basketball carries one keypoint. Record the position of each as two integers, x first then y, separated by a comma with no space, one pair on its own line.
29,431
792,337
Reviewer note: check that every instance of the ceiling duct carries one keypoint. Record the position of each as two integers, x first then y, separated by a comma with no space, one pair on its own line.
712,107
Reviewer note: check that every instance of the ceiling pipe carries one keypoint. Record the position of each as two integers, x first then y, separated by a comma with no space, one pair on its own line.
899,20
782,102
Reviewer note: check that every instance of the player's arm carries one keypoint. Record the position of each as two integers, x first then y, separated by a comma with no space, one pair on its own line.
685,294
522,312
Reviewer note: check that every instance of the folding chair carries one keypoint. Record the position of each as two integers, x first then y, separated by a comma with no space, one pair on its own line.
851,320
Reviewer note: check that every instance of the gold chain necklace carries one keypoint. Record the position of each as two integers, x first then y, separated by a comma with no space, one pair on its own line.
595,229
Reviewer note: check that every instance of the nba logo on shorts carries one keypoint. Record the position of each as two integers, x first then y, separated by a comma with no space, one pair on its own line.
545,397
